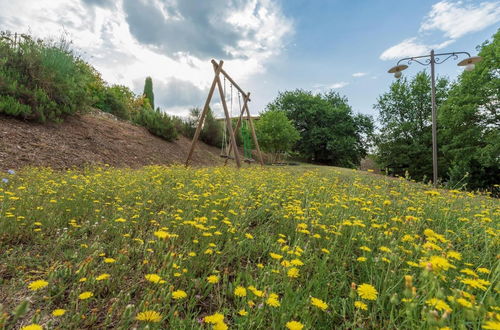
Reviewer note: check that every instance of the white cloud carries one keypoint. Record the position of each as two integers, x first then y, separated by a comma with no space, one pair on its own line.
456,19
411,47
359,74
338,85
101,32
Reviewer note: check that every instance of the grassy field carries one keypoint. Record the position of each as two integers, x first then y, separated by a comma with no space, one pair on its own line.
272,248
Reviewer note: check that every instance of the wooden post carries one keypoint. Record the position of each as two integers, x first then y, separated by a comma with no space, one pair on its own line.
254,135
242,112
229,125
204,112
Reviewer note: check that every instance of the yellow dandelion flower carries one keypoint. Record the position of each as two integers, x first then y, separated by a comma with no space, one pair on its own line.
58,312
85,295
214,318
179,294
153,278
37,285
109,260
360,305
293,272
367,291
275,256
491,325
464,302
102,277
149,316
242,312
294,325
438,304
240,291
319,303
220,326
213,279
33,326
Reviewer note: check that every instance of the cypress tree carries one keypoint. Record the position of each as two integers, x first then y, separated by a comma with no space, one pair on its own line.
148,91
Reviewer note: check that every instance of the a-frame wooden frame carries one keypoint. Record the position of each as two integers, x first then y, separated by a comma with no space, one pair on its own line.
246,98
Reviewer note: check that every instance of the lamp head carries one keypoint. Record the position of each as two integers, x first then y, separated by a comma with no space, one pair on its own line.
397,70
470,62
398,74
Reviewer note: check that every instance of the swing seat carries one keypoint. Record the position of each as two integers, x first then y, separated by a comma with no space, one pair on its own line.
226,156
249,160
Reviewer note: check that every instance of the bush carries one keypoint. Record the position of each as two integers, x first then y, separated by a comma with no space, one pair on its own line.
41,80
156,122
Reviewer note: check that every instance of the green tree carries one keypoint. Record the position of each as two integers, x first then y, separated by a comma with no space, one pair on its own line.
212,130
276,133
329,131
148,91
470,120
404,144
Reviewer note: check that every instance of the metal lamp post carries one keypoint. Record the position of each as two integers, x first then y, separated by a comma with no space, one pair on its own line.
432,60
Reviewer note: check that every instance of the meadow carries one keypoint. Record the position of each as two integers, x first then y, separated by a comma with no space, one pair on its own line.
263,248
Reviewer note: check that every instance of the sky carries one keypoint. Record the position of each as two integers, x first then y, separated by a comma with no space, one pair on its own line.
268,46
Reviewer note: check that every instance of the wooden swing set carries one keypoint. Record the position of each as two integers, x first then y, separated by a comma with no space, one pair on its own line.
227,148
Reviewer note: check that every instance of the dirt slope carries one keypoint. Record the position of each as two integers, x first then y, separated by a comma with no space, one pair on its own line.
92,139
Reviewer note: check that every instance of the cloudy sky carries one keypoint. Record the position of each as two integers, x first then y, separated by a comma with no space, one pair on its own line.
267,45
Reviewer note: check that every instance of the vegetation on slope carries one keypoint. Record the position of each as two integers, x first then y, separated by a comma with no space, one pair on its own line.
268,249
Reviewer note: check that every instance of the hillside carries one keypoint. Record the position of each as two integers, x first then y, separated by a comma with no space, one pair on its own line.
96,138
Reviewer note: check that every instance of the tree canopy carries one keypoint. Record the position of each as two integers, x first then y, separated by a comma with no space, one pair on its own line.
330,133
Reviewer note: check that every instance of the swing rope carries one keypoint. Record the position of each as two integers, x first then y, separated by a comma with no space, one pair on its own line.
245,134
223,149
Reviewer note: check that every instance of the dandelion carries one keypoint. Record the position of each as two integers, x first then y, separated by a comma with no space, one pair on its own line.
149,316
240,291
293,272
360,305
58,312
85,295
491,325
212,279
319,303
33,326
464,302
438,304
154,278
179,294
109,260
275,256
37,285
273,300
294,325
242,312
102,277
367,291
214,318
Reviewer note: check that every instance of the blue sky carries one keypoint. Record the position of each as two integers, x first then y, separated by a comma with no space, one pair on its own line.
268,45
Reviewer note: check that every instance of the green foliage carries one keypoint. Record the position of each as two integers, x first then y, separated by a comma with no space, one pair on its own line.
276,133
156,122
329,131
41,80
212,130
148,91
470,122
405,141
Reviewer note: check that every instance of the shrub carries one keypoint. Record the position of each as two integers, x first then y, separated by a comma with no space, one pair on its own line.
156,122
41,80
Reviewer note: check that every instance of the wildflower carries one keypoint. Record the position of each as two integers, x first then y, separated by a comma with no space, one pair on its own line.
242,312
58,312
240,291
365,248
438,304
325,251
85,295
109,260
249,236
476,283
273,302
483,270
491,325
220,326
360,305
361,259
293,272
367,291
213,279
297,262
214,318
464,302
149,316
179,294
153,278
102,277
319,303
37,285
275,256
294,325
33,326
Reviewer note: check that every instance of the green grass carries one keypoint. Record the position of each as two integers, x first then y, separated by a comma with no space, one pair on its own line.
339,228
